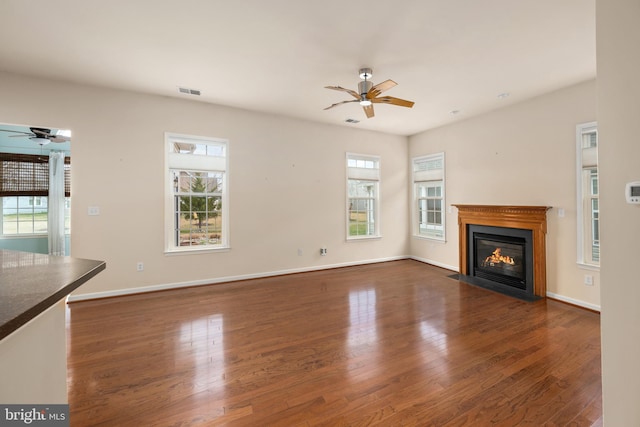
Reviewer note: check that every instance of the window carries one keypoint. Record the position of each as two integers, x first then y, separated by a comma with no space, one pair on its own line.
428,187
197,200
363,196
24,189
588,211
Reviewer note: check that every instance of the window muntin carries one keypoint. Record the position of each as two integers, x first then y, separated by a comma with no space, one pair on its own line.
588,212
363,196
429,202
362,207
429,198
197,197
198,203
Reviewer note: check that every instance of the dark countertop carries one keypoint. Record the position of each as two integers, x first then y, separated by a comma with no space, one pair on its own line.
30,283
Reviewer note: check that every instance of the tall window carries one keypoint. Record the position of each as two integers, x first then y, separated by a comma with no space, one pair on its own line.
24,189
197,200
363,196
428,188
588,194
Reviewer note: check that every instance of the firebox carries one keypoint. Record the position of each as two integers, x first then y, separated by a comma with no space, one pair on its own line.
501,259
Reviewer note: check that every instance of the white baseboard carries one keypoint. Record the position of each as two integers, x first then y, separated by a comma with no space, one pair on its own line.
203,282
436,263
162,287
574,301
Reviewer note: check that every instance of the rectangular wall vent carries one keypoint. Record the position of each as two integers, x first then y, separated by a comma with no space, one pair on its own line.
188,91
352,121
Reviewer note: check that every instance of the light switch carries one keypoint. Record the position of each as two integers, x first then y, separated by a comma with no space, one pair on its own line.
93,210
561,212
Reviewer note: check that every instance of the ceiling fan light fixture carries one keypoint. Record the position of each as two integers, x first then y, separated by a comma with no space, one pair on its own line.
365,102
41,141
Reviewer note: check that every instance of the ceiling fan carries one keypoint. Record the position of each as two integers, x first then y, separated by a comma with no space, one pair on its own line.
42,136
367,93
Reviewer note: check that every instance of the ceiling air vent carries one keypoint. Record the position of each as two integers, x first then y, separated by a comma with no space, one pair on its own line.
352,121
188,91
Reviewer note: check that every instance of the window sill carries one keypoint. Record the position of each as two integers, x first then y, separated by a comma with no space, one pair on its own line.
25,236
191,251
431,239
591,267
363,238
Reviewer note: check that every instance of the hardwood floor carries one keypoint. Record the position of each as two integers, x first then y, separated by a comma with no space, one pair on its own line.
389,344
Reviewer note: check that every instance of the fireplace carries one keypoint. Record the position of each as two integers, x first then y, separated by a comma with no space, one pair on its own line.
502,248
502,256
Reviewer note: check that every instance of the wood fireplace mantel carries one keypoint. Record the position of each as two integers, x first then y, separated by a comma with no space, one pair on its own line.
532,218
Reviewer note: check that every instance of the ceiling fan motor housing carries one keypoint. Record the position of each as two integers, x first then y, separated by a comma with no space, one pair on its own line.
364,87
365,73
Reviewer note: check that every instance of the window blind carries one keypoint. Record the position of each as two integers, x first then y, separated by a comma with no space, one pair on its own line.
28,175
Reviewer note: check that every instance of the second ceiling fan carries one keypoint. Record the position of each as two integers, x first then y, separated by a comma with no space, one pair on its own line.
367,93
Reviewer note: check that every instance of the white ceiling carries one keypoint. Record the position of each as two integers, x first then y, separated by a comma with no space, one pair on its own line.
276,56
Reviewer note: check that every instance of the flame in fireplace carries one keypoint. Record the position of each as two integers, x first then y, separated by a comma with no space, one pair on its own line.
496,257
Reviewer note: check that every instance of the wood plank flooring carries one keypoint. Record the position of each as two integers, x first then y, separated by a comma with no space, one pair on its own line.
390,344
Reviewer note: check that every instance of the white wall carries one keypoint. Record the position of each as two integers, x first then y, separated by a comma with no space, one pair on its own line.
618,38
34,360
524,154
287,184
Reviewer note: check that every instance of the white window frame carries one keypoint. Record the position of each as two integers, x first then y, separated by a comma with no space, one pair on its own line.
34,203
586,158
435,177
364,168
196,163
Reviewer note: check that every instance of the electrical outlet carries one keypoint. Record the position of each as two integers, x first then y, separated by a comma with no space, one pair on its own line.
323,251
140,266
588,280
299,252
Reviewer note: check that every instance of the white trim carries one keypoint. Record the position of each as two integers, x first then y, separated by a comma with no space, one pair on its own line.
418,177
591,267
580,128
204,282
169,137
213,281
363,238
429,238
25,236
194,250
372,175
573,301
436,263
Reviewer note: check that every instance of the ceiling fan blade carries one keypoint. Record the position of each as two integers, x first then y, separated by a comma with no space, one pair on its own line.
41,132
20,133
340,103
380,87
342,89
368,110
59,138
394,101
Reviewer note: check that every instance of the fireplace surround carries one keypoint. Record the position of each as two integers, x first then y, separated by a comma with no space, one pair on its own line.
511,257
